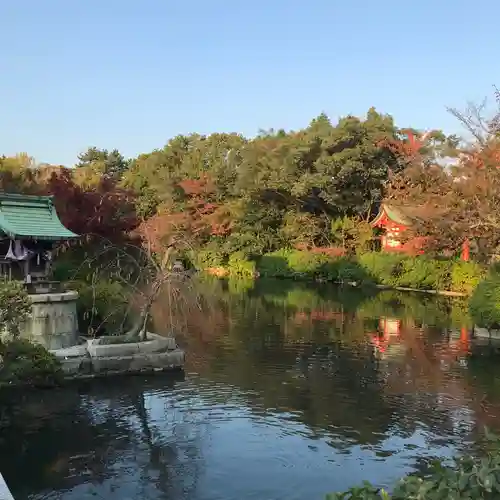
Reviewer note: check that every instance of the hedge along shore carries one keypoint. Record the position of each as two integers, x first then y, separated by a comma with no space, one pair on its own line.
448,277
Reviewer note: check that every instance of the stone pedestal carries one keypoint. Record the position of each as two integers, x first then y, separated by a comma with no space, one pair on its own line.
53,322
96,358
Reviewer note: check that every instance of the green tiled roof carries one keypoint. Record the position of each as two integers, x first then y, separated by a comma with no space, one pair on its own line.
397,215
25,216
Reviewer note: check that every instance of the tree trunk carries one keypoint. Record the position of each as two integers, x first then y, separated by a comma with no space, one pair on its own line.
139,330
143,333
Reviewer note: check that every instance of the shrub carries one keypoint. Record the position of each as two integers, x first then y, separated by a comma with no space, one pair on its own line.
484,304
330,270
274,265
384,268
102,307
305,263
349,270
426,274
466,276
397,269
208,258
27,363
302,263
15,306
468,478
239,265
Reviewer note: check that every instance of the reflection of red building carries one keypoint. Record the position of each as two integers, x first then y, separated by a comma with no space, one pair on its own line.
389,328
316,315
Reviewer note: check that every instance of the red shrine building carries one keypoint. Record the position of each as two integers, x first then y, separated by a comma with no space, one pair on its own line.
394,221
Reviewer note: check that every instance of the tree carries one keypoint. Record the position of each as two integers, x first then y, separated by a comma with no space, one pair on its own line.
17,174
351,234
143,273
232,194
460,203
104,210
305,230
337,170
109,163
259,186
15,306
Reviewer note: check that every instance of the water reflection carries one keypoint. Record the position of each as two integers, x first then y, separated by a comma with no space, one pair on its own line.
291,391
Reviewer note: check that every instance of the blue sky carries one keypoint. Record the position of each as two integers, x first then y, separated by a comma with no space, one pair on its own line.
131,74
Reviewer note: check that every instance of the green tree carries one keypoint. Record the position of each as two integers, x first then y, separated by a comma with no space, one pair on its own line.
15,306
110,163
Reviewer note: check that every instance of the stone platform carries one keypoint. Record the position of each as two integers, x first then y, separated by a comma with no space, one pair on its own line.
98,357
5,493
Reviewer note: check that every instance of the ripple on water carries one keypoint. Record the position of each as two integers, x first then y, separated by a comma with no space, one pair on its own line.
288,402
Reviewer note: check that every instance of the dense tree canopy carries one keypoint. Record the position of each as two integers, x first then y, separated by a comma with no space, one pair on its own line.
307,188
461,201
275,190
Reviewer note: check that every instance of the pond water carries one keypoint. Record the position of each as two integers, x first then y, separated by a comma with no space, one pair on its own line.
292,393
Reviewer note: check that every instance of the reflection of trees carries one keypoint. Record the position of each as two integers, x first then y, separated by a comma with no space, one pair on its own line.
276,361
304,351
76,438
305,360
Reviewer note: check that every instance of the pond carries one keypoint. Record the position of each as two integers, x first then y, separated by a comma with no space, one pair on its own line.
295,391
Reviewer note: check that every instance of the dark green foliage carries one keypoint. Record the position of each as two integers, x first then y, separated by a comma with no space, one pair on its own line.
466,276
15,305
350,270
390,269
274,265
208,258
425,274
22,362
25,363
385,268
102,307
484,304
110,163
279,189
300,264
303,263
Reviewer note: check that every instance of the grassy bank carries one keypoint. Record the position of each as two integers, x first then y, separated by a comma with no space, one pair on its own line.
484,303
373,268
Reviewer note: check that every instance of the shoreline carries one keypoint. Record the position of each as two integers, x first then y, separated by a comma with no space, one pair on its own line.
216,273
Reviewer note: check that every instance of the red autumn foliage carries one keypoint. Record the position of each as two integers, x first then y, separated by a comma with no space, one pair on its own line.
162,230
104,211
408,150
486,156
200,217
197,187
